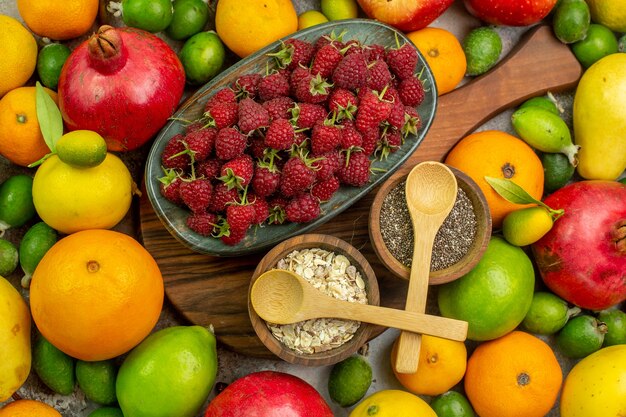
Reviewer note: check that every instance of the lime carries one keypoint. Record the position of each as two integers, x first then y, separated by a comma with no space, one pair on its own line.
106,412
202,56
557,171
190,17
310,18
33,246
547,314
150,15
8,258
97,380
615,321
495,295
543,102
50,62
621,44
16,201
482,47
581,336
54,368
339,9
526,226
599,42
571,21
349,381
82,149
452,404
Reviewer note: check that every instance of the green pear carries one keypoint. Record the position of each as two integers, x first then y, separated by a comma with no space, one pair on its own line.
599,121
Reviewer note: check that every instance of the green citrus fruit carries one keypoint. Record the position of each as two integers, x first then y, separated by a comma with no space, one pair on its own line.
8,258
106,412
557,171
189,18
482,47
82,148
615,321
16,201
495,295
349,381
33,246
547,314
202,56
452,404
571,21
339,9
526,226
581,336
54,368
150,15
599,42
310,18
50,62
97,380
543,102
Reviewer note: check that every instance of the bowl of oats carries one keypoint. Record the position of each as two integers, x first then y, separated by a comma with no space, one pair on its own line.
334,267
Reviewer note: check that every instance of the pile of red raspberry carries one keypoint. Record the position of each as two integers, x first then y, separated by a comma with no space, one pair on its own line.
270,148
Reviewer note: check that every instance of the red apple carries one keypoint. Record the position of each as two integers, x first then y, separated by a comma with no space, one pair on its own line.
406,15
510,12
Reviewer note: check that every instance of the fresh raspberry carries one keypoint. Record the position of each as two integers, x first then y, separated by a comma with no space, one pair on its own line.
273,85
296,75
237,173
353,47
294,52
261,208
192,127
278,108
234,235
325,137
326,39
209,168
343,103
202,223
265,180
240,215
224,95
174,147
196,194
312,89
221,197
396,116
402,61
374,52
297,177
302,209
280,135
411,91
252,116
351,72
306,115
412,122
201,143
390,142
247,85
379,75
371,139
326,165
326,60
222,114
372,110
277,210
356,171
170,187
257,147
324,190
350,137
229,143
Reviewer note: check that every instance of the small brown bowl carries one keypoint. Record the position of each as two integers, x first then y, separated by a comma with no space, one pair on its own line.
331,244
455,271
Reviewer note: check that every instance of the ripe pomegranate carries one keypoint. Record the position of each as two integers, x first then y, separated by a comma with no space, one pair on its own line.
583,257
268,394
123,83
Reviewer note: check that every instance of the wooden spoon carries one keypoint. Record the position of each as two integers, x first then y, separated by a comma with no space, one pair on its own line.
431,191
282,297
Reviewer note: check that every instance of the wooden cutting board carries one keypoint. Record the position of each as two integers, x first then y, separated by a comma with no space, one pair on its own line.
211,290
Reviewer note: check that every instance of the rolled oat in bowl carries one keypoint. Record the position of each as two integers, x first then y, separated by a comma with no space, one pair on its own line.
332,274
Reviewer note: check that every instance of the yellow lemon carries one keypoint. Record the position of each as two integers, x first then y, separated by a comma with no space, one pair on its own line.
393,403
70,199
19,54
339,9
526,226
247,26
610,13
310,18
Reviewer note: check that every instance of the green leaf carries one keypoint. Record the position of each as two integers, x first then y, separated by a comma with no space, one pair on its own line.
49,116
511,191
